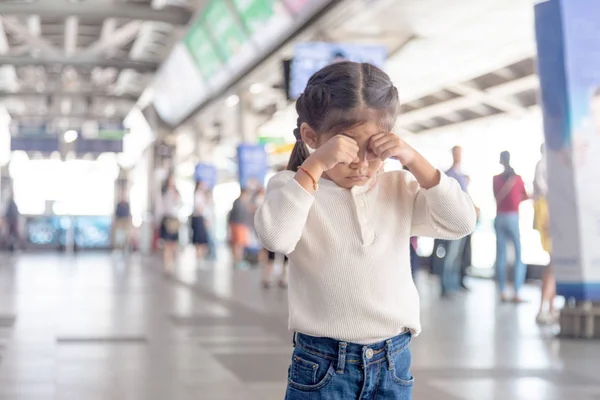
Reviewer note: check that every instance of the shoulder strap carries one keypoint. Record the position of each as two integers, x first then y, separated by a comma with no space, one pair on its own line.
506,188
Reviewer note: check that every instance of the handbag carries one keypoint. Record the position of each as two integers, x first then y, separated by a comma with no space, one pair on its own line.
171,225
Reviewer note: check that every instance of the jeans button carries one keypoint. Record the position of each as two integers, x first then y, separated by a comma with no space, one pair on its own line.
369,354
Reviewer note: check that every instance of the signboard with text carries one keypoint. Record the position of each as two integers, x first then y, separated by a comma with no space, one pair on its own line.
252,165
207,174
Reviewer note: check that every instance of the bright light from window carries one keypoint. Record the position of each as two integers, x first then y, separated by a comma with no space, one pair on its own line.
70,136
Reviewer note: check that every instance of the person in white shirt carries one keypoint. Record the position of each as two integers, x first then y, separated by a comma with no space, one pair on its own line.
346,229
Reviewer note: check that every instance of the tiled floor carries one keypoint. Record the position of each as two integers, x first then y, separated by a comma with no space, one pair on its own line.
94,326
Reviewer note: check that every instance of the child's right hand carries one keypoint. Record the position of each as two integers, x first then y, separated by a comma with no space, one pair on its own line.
339,149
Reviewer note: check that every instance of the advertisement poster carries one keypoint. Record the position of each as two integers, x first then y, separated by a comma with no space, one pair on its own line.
207,174
266,20
179,87
224,29
42,231
201,49
569,68
93,232
253,165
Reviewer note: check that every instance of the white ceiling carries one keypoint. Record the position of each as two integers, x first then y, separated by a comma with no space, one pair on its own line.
474,58
460,40
65,62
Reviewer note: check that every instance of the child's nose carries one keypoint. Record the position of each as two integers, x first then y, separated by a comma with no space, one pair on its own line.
362,158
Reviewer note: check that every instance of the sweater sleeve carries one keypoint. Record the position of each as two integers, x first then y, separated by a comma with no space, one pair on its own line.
280,220
442,212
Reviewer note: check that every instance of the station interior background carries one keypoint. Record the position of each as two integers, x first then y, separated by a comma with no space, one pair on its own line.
121,72
465,79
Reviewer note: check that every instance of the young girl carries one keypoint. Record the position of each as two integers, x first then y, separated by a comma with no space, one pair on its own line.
346,229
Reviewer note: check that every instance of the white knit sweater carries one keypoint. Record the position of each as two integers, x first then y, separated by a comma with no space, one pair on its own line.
349,275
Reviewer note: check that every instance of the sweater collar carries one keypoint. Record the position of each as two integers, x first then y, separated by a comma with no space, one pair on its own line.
326,183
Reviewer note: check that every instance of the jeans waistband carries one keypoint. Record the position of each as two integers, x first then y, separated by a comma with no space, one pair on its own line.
346,352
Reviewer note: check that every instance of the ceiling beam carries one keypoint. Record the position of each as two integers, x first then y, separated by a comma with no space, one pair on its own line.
470,99
517,86
25,33
4,48
116,40
97,11
140,66
71,29
490,99
108,27
73,95
8,72
34,25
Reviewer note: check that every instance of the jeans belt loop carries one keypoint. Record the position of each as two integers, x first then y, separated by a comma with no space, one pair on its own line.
295,339
341,357
389,354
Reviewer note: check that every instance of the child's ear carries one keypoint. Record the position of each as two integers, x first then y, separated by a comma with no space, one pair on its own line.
309,136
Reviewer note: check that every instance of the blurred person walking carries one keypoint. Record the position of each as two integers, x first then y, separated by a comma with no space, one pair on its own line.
169,208
509,192
12,218
209,223
453,270
198,223
238,228
541,222
122,223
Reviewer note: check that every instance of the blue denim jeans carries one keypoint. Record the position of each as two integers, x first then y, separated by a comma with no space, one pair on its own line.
451,276
324,368
507,228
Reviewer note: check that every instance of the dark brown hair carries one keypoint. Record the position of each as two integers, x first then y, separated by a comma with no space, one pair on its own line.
341,96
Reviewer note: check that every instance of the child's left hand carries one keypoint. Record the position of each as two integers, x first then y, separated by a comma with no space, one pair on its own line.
389,145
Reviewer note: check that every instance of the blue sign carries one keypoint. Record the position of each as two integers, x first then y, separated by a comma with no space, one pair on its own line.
41,144
31,129
253,164
311,57
207,174
98,146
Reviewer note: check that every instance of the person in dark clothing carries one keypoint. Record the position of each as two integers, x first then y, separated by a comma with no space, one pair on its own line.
239,219
198,223
122,223
11,219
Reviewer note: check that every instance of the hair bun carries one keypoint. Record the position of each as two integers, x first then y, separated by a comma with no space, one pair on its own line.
319,95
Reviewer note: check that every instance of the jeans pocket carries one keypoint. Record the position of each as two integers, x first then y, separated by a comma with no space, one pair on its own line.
309,372
401,371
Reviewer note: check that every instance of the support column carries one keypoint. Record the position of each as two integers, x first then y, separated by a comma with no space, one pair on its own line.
567,34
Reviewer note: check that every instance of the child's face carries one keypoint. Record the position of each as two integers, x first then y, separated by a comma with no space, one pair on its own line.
359,173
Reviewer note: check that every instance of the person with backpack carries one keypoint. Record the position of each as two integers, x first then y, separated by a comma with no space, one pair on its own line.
509,192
